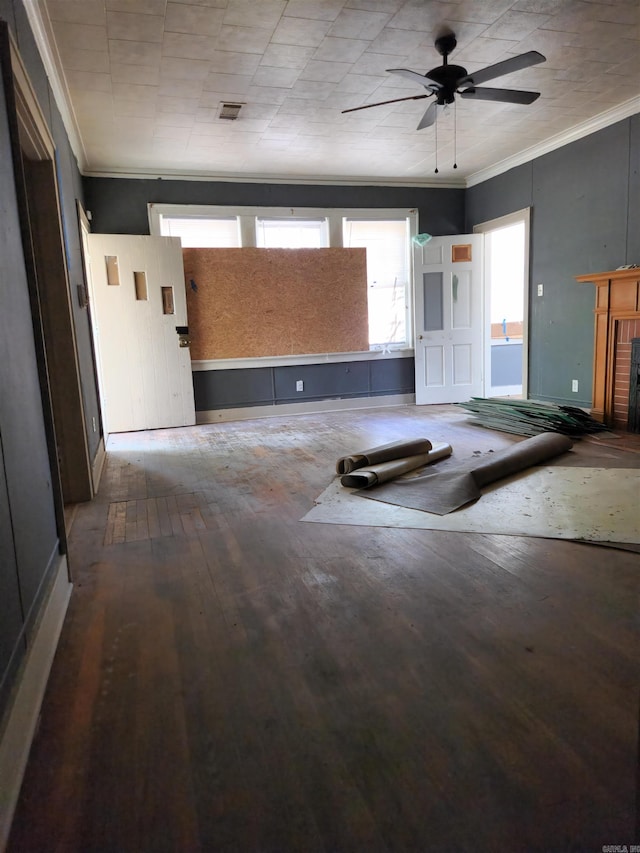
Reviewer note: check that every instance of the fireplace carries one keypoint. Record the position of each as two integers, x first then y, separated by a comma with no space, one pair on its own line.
617,324
634,387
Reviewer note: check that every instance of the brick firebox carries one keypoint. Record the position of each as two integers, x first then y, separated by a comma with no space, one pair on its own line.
617,321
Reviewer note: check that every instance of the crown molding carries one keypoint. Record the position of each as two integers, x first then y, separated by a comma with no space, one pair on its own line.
599,122
42,30
222,177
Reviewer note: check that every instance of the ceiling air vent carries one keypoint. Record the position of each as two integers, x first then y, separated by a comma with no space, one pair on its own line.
229,111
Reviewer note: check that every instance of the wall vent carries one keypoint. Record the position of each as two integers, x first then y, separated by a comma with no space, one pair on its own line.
229,111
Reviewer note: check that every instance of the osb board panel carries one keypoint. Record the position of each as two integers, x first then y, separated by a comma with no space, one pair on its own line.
260,302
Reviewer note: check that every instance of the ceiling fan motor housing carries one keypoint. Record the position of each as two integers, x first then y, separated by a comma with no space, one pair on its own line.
447,77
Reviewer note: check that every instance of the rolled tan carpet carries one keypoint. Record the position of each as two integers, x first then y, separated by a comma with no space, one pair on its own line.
382,453
372,475
444,492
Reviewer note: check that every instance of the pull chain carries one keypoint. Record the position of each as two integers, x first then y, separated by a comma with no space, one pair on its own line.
455,134
436,124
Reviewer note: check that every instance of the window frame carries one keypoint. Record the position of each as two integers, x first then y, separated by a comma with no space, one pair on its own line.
335,216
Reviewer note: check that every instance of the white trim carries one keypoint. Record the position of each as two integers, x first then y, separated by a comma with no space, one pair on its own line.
234,178
523,215
98,464
376,354
42,30
609,117
22,719
247,413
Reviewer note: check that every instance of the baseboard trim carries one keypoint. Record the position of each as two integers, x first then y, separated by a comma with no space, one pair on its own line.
98,465
22,718
310,407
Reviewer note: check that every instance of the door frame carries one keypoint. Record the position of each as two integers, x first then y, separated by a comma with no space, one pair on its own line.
523,215
34,160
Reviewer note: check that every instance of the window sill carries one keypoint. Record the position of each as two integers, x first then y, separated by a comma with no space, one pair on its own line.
287,360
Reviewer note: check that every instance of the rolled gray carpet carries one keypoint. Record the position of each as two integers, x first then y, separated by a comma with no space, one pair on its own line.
444,492
372,475
382,453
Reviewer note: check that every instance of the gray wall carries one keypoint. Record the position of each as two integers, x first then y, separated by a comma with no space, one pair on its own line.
585,200
120,206
29,541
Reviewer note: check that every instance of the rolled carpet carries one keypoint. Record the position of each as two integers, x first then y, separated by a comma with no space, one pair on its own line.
442,493
382,453
372,475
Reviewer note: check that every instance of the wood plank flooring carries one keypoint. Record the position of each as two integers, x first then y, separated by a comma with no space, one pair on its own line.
231,679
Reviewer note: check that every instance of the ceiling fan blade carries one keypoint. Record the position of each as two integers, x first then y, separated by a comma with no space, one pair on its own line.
421,79
382,103
506,96
507,66
429,117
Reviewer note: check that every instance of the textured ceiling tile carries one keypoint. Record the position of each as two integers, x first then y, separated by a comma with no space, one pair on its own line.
87,60
483,50
89,81
311,89
188,46
131,27
199,20
485,12
227,62
401,42
340,50
139,7
135,52
299,31
377,63
177,87
213,4
164,119
186,106
425,17
143,75
70,36
279,78
78,11
287,56
324,10
238,84
355,24
243,39
330,72
185,69
264,14
134,92
515,25
359,83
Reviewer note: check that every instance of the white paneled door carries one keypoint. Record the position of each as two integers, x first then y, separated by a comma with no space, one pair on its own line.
448,319
139,312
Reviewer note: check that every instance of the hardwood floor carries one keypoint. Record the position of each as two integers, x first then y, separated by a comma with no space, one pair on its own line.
231,679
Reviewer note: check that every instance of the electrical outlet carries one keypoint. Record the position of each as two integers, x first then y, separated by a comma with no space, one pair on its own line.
574,385
540,289
299,385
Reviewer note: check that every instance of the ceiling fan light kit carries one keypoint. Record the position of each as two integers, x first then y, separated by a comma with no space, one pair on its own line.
446,81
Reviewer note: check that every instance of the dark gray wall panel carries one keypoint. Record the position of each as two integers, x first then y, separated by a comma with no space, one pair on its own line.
31,58
322,381
7,14
228,389
580,195
393,376
11,645
585,200
25,457
119,206
69,187
501,195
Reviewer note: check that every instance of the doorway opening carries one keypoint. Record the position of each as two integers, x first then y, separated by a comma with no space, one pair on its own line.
506,277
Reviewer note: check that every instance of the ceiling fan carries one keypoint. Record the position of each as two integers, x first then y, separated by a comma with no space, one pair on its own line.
445,81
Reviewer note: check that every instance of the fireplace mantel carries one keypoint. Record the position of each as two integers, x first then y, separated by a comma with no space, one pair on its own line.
617,300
